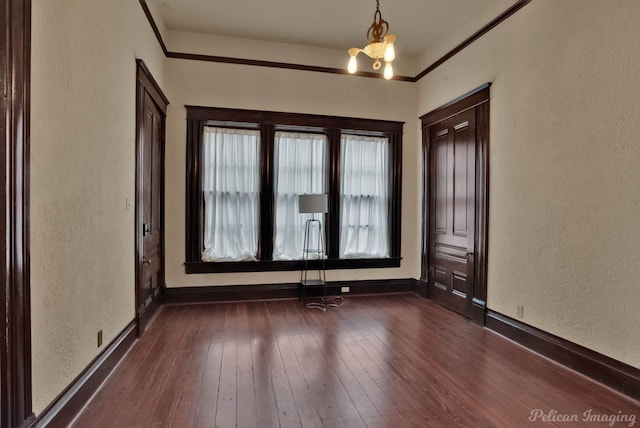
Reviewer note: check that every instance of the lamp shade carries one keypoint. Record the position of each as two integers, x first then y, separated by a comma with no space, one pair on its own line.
314,203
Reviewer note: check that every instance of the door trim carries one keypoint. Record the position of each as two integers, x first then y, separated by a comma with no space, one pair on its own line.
15,101
477,99
146,83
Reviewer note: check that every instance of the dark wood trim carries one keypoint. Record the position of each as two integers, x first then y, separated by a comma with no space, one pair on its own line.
154,26
285,65
269,122
467,101
282,291
422,288
194,241
64,408
151,86
308,122
475,36
481,250
424,250
613,373
146,84
15,347
477,99
395,184
288,265
331,220
265,245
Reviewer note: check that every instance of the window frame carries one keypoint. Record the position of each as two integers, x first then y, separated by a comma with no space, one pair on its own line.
268,123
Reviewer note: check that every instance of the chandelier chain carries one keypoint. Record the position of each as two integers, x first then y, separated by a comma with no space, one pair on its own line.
379,28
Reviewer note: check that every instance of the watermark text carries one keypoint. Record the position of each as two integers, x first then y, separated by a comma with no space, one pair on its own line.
539,415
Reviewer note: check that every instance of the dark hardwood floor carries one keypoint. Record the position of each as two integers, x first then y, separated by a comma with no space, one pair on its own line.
379,361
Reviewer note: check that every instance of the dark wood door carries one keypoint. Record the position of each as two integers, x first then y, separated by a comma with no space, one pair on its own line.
151,113
452,154
152,127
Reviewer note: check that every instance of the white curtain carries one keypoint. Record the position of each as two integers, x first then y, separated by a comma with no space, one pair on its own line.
299,168
231,187
364,197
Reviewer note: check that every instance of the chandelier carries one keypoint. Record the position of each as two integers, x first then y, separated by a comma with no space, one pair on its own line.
380,46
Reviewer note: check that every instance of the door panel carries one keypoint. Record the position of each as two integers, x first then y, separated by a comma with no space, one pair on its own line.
150,190
455,160
452,205
152,172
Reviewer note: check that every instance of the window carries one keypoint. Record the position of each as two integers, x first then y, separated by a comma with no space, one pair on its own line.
230,187
246,169
300,162
364,197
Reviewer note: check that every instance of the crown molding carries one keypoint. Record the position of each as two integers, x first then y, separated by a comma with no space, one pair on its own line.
273,64
475,36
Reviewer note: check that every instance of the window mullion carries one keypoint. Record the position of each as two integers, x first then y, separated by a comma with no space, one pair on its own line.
333,217
195,203
395,190
265,240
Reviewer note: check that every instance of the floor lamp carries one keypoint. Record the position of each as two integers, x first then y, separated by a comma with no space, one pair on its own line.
317,203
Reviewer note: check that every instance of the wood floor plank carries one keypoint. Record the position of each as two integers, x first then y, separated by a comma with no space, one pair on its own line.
207,395
160,381
246,410
287,411
178,376
322,352
316,397
262,355
185,407
317,363
377,361
227,390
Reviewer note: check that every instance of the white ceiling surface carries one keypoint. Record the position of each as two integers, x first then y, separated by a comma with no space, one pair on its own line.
338,24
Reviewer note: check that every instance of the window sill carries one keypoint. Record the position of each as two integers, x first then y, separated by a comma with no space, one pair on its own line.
270,265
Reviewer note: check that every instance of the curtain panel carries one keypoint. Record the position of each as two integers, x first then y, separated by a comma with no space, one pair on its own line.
300,164
364,197
231,191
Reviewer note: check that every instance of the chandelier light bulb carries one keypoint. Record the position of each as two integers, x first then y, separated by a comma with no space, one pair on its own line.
389,53
388,71
353,64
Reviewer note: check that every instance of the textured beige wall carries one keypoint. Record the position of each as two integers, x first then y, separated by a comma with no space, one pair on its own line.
82,172
565,187
564,230
235,86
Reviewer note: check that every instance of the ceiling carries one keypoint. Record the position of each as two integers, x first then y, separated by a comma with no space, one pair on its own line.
339,24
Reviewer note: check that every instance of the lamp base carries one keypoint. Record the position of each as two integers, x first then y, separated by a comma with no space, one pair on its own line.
326,302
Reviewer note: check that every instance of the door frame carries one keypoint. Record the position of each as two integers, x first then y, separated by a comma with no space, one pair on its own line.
15,102
477,99
146,83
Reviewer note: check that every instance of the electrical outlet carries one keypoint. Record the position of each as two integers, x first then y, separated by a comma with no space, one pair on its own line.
345,289
520,311
99,338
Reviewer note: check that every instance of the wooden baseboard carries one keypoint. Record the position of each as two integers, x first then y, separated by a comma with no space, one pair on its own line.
608,371
282,291
65,407
478,311
422,288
